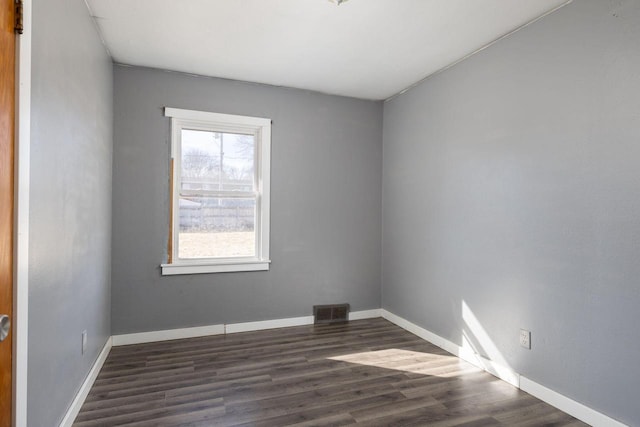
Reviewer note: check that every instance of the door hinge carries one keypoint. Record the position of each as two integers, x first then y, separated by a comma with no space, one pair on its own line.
19,11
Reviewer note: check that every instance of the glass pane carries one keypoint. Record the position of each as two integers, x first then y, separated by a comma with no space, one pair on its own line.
217,161
213,227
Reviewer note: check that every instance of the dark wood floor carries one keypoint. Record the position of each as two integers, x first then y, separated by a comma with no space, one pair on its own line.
367,372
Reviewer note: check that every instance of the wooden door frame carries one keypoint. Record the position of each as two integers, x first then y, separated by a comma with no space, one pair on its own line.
21,219
8,101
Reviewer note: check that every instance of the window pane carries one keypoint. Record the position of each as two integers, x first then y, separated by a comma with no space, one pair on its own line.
217,161
213,227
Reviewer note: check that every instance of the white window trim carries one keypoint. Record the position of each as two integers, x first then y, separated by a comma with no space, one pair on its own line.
260,126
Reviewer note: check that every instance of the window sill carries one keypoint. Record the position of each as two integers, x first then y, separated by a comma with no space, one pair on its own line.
219,267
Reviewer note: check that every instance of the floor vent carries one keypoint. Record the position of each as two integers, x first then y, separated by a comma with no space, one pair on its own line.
331,313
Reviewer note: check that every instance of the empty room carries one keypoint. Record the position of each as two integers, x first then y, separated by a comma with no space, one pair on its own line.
320,213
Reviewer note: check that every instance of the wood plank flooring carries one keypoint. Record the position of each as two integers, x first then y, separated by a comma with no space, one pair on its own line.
367,372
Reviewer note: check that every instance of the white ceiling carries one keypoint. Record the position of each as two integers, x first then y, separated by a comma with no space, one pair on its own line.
368,49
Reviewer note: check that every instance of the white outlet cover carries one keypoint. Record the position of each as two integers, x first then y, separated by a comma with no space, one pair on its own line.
525,339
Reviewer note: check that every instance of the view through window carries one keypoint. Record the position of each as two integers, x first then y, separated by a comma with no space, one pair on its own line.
217,219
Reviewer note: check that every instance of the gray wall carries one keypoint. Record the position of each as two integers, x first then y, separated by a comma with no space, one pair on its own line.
511,183
70,200
325,219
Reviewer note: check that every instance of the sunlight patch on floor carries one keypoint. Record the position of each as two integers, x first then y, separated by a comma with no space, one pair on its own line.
403,360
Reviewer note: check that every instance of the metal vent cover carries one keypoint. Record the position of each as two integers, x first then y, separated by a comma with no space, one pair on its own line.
330,313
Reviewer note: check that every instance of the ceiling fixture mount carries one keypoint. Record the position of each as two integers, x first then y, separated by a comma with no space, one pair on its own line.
338,2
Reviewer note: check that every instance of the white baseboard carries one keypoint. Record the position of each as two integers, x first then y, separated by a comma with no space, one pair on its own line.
230,328
365,314
565,404
570,406
233,328
421,332
167,335
78,401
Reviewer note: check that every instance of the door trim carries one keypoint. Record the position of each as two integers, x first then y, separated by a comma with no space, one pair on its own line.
21,219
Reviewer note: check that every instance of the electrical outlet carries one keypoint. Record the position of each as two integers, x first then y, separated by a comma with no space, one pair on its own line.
84,341
525,339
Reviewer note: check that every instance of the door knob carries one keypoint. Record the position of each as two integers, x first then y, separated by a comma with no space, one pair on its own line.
5,325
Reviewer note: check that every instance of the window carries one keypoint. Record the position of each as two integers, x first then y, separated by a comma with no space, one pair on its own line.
220,193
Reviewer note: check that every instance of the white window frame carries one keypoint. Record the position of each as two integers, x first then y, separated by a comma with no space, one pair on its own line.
216,122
